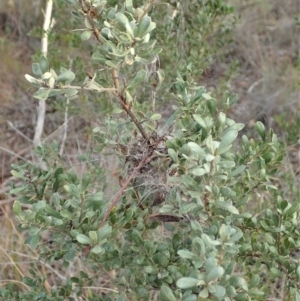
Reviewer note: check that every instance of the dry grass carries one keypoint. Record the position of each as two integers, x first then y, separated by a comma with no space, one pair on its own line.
266,43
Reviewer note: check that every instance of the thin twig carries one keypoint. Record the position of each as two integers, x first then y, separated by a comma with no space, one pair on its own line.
127,109
18,131
12,153
153,99
61,151
151,4
92,89
36,259
116,80
100,288
11,259
8,281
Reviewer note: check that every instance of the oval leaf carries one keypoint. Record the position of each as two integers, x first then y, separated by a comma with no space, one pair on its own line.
66,77
44,64
188,282
196,148
200,120
155,117
185,254
85,35
227,140
32,80
214,273
166,294
42,94
97,250
36,69
83,239
17,208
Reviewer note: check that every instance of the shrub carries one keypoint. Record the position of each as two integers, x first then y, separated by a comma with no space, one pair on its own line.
183,223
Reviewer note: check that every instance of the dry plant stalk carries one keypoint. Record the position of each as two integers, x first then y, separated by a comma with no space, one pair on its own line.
44,45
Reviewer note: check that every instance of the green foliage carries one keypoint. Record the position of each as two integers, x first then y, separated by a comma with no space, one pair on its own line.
193,178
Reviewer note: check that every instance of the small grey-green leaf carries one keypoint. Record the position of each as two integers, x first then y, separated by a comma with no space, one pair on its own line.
17,208
208,241
42,94
17,174
70,92
238,282
104,232
210,263
200,120
214,273
72,189
85,35
122,19
188,282
173,155
232,99
128,97
160,259
186,254
196,148
206,96
218,291
112,63
93,236
199,171
66,214
83,239
227,140
70,255
190,298
166,294
44,64
18,189
259,126
297,296
36,69
204,293
155,117
143,26
66,77
255,280
55,92
237,126
34,241
166,209
52,212
227,206
32,80
129,6
97,250
237,171
199,245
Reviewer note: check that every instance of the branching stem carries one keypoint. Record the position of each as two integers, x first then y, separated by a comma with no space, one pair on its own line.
121,98
120,192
